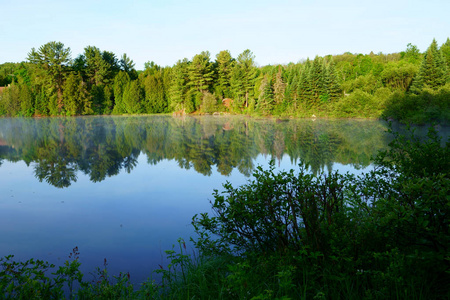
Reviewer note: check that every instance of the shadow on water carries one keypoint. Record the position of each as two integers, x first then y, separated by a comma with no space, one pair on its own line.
101,147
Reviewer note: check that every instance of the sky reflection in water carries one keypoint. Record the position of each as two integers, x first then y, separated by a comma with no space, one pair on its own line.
131,218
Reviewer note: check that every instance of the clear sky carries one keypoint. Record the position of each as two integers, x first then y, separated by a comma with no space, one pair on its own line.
276,31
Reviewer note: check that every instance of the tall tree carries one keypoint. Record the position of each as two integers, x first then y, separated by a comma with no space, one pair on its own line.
433,70
132,98
179,84
243,77
96,67
201,72
279,87
120,82
155,100
224,66
53,59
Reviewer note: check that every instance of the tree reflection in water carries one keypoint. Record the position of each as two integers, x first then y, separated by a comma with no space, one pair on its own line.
101,147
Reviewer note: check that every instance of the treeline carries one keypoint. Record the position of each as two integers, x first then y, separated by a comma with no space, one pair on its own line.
409,86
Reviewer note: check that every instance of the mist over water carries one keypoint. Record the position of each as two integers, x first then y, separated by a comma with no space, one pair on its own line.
126,188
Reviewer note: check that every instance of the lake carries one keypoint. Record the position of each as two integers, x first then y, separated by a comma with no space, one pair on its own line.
126,188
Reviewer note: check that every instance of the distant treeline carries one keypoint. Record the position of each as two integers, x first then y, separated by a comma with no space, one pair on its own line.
409,86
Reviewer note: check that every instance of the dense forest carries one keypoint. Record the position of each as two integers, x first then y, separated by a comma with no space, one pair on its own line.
409,86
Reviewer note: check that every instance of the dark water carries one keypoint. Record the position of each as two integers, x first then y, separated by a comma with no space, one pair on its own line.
126,188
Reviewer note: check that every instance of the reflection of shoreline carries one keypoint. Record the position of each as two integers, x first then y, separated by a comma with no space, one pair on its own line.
103,146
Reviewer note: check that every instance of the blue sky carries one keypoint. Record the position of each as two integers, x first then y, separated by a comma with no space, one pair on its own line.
277,31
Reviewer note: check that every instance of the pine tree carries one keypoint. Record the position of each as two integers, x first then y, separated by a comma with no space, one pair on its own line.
445,50
224,65
96,67
279,87
201,72
179,84
266,97
433,70
317,78
333,88
243,78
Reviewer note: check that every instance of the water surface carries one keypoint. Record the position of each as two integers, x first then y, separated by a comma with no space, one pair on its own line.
126,188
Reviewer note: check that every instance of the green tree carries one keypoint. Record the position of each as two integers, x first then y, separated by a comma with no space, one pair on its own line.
120,82
179,84
127,65
76,99
279,87
26,100
433,70
132,98
266,98
412,54
155,99
243,78
96,67
201,72
53,60
224,66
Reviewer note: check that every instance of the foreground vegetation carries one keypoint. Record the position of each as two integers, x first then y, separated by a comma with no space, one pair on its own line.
409,86
295,235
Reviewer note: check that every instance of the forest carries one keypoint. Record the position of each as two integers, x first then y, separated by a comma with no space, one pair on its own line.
409,86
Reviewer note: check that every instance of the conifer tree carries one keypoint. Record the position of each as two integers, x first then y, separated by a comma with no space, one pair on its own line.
120,82
52,60
26,100
433,70
243,77
155,100
333,87
201,72
279,87
224,65
179,84
132,98
266,97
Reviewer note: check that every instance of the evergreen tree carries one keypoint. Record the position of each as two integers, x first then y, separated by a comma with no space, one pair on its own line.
52,59
201,72
243,78
96,67
26,100
305,90
76,98
445,50
120,82
108,102
155,100
433,70
279,87
333,88
317,78
224,65
127,65
179,84
266,97
132,98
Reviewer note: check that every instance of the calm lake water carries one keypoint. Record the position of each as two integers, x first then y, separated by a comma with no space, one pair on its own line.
126,188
